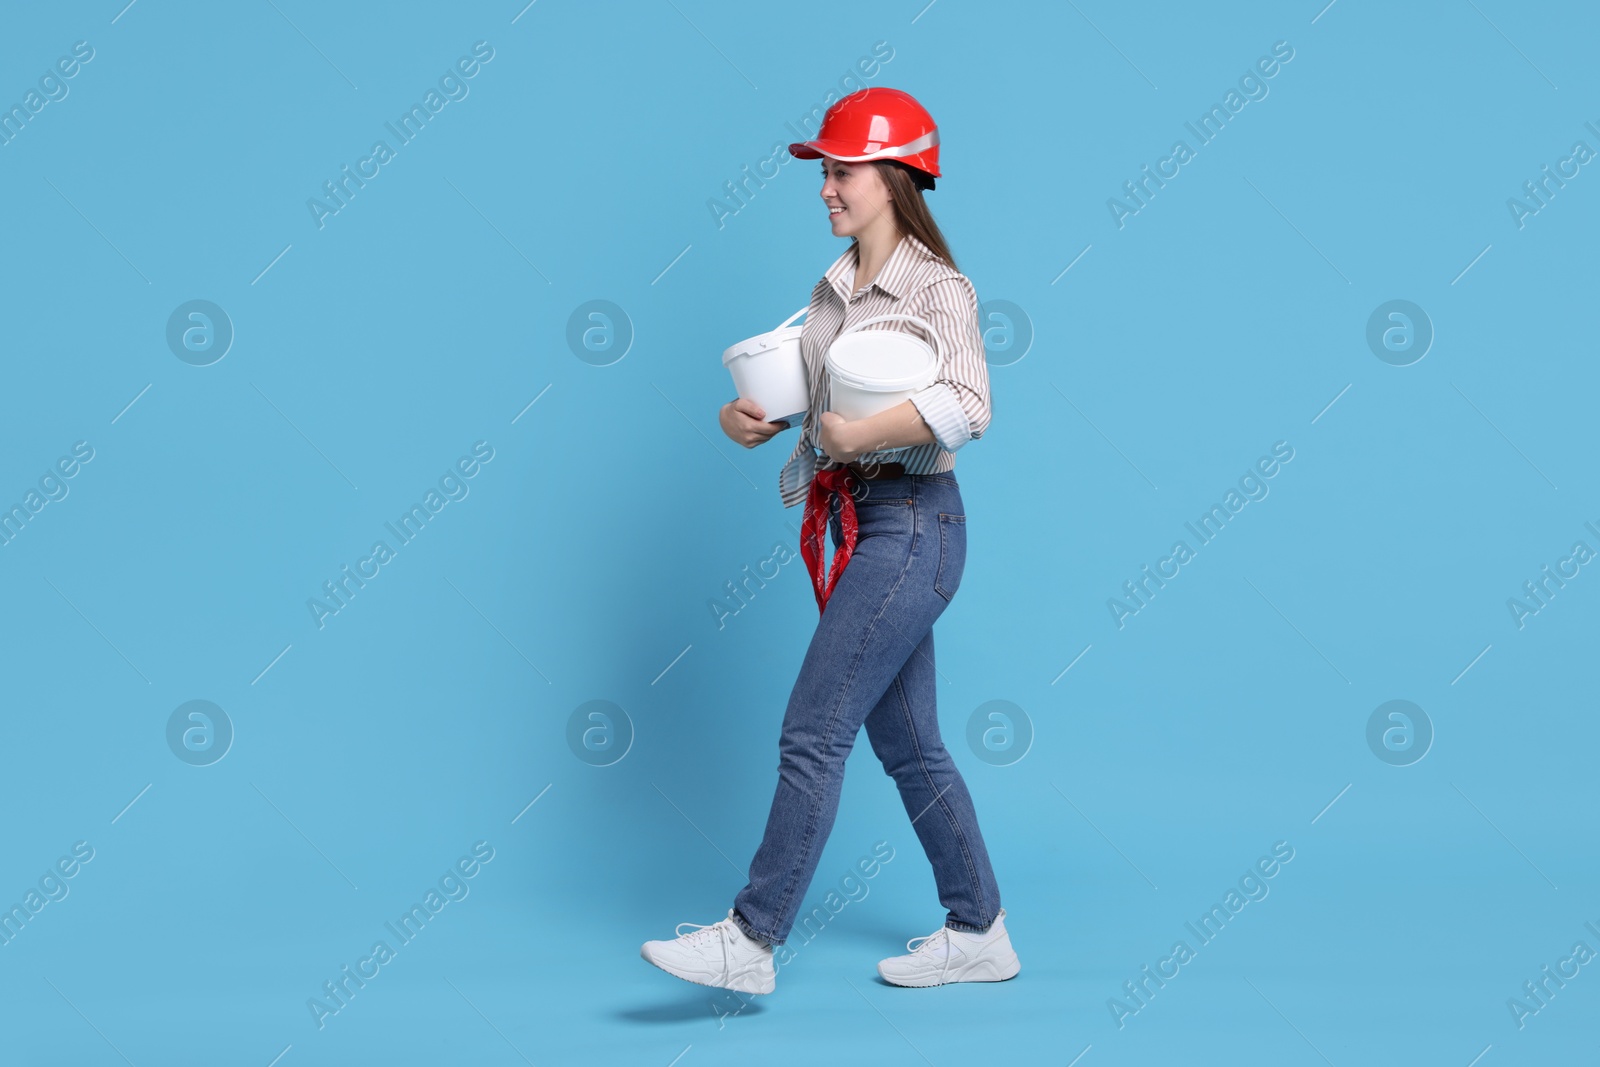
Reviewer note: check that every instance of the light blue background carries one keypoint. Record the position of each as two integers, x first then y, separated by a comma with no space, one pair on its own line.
371,753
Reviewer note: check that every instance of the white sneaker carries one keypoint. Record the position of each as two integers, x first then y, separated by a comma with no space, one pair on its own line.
955,956
716,955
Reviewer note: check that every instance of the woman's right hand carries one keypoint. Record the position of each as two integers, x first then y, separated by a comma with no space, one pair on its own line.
743,421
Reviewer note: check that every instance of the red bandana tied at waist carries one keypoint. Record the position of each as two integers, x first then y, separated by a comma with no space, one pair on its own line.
814,526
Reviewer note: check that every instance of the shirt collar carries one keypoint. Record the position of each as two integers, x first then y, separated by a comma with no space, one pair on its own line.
893,279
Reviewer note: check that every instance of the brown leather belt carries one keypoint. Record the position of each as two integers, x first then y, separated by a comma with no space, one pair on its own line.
877,470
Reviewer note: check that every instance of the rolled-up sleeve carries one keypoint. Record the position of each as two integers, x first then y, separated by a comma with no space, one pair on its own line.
956,406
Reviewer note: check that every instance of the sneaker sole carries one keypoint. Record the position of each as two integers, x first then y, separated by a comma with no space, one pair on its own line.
748,982
980,971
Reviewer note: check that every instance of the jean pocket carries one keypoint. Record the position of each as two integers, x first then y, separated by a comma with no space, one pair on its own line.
866,493
952,554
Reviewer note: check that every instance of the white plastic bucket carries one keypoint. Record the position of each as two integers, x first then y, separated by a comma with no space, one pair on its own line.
873,370
768,369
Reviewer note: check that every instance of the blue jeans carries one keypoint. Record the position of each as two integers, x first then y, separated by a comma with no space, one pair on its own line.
871,661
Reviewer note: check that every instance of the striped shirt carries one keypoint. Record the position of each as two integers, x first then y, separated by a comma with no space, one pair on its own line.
956,406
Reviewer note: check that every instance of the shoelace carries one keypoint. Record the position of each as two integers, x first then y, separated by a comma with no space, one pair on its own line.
701,931
929,944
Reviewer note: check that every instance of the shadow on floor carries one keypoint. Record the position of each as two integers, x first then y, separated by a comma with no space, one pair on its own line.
698,1004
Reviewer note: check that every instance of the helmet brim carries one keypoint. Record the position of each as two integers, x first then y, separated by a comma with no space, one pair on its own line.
843,153
817,149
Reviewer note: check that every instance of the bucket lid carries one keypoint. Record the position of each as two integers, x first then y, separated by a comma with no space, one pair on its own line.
766,342
882,361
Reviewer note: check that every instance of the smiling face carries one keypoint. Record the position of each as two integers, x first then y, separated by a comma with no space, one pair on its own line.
857,189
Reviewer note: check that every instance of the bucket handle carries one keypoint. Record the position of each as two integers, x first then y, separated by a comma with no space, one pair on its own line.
786,323
938,349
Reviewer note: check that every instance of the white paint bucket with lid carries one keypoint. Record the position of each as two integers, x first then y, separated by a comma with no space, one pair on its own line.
768,369
873,370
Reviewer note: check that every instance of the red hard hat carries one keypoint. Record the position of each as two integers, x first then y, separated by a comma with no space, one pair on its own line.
876,123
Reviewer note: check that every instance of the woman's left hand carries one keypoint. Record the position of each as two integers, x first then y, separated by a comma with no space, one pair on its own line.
838,440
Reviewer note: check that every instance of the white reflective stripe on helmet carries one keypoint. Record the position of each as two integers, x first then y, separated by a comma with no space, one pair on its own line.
910,148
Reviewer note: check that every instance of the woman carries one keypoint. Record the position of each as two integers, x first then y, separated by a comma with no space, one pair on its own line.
899,530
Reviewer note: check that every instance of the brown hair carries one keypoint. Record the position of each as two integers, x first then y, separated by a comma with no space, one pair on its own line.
911,211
